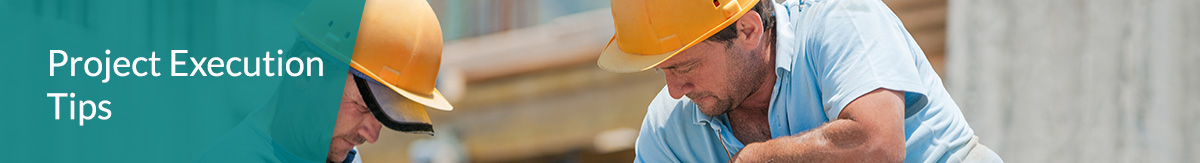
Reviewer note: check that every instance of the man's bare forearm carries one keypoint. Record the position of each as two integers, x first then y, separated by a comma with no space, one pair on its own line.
837,141
869,130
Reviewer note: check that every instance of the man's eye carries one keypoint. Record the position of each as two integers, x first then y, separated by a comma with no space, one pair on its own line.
684,69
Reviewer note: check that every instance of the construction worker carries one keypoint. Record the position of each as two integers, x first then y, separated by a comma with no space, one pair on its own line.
800,81
396,47
394,67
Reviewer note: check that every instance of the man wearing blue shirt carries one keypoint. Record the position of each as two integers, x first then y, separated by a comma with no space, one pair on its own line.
801,81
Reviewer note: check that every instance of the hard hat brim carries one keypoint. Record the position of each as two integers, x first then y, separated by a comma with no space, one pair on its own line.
393,110
613,59
435,100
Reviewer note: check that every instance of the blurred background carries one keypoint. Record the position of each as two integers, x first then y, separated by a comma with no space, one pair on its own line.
1039,81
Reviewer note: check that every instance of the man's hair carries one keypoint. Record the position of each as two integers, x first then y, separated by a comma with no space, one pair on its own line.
766,11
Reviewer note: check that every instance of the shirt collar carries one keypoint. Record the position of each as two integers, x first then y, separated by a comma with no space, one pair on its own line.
351,155
785,37
700,118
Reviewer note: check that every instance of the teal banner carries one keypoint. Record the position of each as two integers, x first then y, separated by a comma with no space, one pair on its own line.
171,81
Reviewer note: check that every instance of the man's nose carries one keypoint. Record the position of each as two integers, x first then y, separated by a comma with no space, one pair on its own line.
678,86
370,128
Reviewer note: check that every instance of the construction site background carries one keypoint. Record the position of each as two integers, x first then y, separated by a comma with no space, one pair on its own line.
1039,81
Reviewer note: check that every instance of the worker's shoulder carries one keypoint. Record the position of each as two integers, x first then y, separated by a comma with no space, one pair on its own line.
839,2
845,8
667,111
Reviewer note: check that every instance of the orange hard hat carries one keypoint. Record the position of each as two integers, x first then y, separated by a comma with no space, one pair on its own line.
650,32
397,50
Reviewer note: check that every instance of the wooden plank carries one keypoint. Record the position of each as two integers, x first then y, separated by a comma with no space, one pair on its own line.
564,41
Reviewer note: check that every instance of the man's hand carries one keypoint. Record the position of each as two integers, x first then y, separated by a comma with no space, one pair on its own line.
869,129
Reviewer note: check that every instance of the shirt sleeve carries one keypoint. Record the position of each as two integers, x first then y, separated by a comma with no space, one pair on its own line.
858,46
650,148
651,145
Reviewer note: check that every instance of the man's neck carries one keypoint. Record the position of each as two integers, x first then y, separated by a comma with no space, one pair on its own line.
757,104
760,99
749,119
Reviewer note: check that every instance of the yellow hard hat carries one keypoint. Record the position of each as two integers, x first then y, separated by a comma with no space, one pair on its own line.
650,32
400,45
397,51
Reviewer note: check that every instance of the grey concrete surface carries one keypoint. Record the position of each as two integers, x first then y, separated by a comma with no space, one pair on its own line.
1078,80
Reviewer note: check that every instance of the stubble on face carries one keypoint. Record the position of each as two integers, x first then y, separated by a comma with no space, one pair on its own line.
742,73
345,136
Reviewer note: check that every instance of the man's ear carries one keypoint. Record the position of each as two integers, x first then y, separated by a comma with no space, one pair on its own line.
749,30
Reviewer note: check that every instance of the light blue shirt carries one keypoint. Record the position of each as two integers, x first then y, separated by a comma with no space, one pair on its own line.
829,52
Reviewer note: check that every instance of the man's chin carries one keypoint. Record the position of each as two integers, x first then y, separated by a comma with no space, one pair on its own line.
337,153
335,157
710,111
713,109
